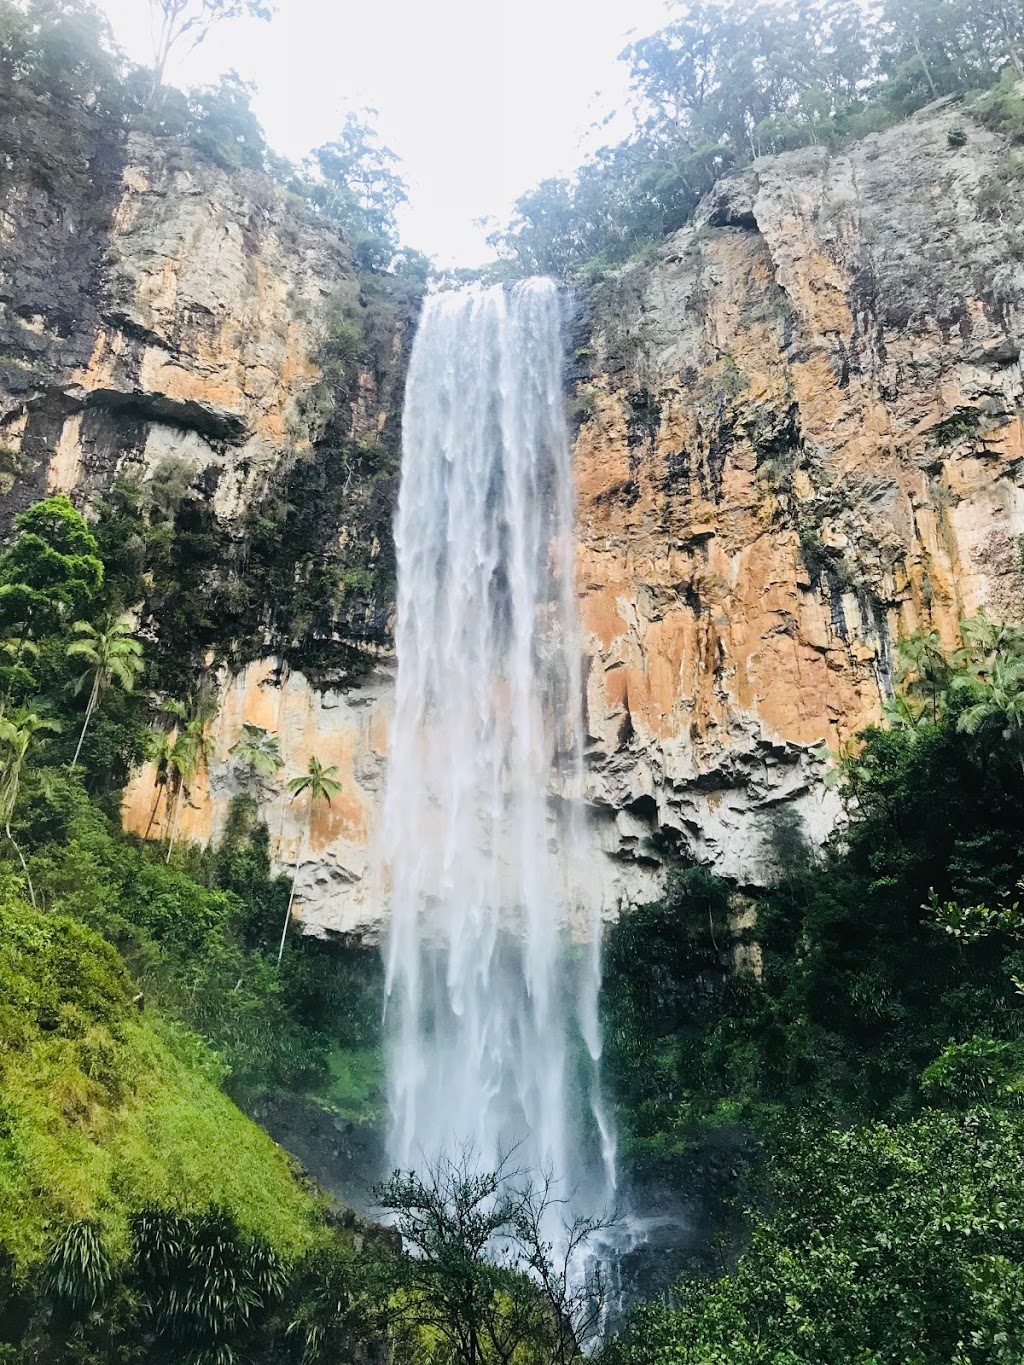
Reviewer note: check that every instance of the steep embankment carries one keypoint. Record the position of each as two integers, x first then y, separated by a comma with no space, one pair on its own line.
800,437
108,1109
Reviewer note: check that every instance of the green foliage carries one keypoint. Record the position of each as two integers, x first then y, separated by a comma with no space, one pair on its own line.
889,1243
886,1010
52,571
112,655
728,80
1002,107
77,1270
221,125
257,752
105,1109
291,580
353,181
205,1283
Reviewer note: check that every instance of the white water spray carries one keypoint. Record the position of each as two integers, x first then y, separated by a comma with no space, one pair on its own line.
493,964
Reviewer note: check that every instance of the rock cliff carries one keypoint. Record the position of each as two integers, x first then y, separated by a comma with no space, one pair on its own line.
200,334
799,437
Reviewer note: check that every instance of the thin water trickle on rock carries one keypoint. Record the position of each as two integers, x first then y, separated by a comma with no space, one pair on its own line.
493,957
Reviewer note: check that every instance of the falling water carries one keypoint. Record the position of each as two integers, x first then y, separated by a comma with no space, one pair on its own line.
493,969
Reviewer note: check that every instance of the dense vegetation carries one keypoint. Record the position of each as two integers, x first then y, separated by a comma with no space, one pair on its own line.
729,80
143,1217
863,1065
856,1050
138,985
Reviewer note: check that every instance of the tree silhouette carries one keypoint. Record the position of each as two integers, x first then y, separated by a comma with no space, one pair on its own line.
320,783
188,23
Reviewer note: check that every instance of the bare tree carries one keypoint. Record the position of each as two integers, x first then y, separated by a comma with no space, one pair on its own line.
566,1268
486,1274
185,24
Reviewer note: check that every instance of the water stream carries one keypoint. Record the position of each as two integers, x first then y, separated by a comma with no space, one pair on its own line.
493,959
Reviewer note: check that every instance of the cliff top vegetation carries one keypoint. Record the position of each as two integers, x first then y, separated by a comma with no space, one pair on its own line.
727,81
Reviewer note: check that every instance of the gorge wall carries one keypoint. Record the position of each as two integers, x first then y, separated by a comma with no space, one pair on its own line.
800,436
802,431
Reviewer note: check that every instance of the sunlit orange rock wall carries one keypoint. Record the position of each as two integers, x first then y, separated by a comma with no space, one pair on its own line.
800,439
178,337
340,888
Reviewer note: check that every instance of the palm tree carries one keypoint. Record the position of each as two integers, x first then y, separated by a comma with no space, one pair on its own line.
996,697
904,712
158,751
192,750
319,782
924,671
258,752
112,655
18,733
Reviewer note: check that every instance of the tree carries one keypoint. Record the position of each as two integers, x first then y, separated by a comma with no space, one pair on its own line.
890,1241
485,1274
158,750
258,752
15,675
51,571
571,1281
112,655
320,783
192,750
186,24
925,671
356,184
18,733
222,125
343,1305
996,700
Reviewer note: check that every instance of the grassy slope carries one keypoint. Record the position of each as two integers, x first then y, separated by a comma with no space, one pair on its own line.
104,1109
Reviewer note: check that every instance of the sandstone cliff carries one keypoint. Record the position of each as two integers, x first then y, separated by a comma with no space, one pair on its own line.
799,438
199,333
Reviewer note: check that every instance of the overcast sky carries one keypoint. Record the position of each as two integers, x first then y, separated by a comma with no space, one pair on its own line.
480,98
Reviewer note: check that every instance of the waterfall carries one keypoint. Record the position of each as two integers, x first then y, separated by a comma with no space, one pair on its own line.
493,958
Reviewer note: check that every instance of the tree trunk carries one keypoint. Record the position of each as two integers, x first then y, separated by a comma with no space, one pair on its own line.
160,791
924,67
93,698
174,819
24,865
295,878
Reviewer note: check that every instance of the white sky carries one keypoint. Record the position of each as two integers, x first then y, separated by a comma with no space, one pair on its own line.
480,98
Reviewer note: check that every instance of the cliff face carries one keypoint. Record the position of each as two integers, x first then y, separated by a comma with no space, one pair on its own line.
799,438
188,331
198,332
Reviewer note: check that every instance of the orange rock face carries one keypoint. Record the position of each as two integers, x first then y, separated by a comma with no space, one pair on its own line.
339,886
802,439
